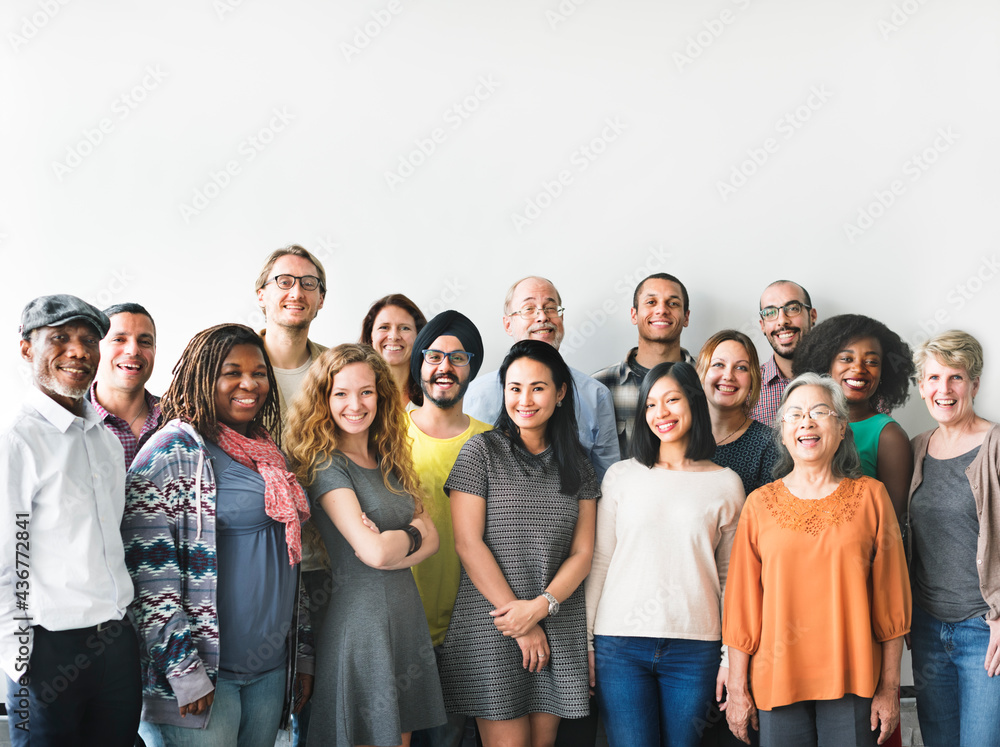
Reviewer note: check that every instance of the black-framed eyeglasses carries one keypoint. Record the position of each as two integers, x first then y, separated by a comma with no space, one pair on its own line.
817,414
458,358
791,309
287,282
528,312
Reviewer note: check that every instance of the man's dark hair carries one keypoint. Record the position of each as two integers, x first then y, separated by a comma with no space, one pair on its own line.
130,308
660,276
645,446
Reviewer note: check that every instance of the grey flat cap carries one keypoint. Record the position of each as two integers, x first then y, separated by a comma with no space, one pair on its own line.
51,311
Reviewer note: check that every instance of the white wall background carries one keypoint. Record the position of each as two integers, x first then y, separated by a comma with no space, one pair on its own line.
844,95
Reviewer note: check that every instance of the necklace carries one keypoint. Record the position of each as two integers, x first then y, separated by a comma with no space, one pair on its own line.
141,411
732,433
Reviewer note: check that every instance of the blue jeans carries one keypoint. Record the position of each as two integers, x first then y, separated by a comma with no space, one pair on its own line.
957,704
245,713
655,692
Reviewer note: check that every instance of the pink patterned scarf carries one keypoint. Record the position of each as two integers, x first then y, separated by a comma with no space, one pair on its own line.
284,498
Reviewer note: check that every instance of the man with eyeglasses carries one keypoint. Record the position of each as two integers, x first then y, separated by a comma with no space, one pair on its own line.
786,315
533,310
447,355
291,289
660,312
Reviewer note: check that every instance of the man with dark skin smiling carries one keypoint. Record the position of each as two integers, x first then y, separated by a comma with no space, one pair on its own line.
786,315
70,656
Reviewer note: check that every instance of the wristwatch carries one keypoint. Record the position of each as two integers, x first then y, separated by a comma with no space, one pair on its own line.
553,604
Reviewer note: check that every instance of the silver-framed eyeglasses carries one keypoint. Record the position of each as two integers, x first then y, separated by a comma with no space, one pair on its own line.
459,358
287,282
791,309
818,414
529,312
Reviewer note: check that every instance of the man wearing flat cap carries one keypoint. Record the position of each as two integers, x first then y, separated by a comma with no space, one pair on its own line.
66,646
446,357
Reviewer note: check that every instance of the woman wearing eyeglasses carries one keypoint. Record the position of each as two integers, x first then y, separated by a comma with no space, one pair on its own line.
391,326
376,679
523,503
817,600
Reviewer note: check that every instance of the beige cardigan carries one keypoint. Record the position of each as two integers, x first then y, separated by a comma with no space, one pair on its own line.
984,479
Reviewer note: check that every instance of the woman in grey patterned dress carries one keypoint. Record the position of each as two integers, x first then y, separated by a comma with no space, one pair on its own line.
523,501
376,678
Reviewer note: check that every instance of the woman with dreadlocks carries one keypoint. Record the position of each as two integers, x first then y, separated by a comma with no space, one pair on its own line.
212,535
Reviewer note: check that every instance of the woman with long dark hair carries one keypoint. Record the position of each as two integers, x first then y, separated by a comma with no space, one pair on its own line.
665,528
523,508
391,326
212,532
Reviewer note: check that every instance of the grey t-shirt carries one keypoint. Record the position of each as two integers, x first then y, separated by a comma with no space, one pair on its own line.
945,529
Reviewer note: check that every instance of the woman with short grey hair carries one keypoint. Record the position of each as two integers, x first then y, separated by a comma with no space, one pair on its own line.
817,600
954,549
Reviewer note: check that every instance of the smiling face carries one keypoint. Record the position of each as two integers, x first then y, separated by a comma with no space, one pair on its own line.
294,308
812,441
530,396
660,315
393,334
947,392
128,352
63,361
668,412
727,379
445,384
353,398
784,333
539,294
242,387
858,369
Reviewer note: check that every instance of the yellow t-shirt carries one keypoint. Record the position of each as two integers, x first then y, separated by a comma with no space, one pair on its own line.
437,577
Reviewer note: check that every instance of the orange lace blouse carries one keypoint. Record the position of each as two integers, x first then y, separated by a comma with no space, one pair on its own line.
814,588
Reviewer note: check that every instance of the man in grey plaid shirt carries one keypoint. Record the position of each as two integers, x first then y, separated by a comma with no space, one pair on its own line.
660,313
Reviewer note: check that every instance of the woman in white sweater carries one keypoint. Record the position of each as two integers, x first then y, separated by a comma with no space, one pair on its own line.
665,527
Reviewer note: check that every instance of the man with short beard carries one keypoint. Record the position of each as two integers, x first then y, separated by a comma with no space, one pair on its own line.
119,394
786,315
70,655
533,310
447,355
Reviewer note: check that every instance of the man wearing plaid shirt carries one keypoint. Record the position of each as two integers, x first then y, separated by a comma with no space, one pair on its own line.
660,313
786,315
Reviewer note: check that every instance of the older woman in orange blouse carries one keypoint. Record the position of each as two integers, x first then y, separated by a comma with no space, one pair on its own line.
817,600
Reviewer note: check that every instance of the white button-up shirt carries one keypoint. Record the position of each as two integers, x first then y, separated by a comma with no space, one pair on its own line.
62,561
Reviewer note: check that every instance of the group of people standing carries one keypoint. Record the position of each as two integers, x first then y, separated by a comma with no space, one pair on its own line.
376,541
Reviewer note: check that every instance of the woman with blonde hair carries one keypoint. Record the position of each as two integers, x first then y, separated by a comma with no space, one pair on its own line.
347,443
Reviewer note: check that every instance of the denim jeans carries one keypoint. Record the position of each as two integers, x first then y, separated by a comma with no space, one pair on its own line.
655,692
957,704
245,713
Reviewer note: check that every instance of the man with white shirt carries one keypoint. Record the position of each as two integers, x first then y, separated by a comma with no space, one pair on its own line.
533,310
69,652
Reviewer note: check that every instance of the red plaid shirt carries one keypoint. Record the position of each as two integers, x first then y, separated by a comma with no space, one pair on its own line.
121,428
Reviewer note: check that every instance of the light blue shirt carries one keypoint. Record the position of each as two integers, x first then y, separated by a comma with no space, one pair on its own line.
595,414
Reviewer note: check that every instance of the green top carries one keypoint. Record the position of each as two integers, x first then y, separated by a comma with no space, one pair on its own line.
866,435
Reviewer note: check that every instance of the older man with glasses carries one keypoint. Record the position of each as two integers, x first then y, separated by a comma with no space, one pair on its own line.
786,315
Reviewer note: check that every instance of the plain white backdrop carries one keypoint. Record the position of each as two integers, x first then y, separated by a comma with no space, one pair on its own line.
157,152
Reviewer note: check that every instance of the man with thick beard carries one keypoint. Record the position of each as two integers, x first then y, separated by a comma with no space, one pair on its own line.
68,650
786,315
446,357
